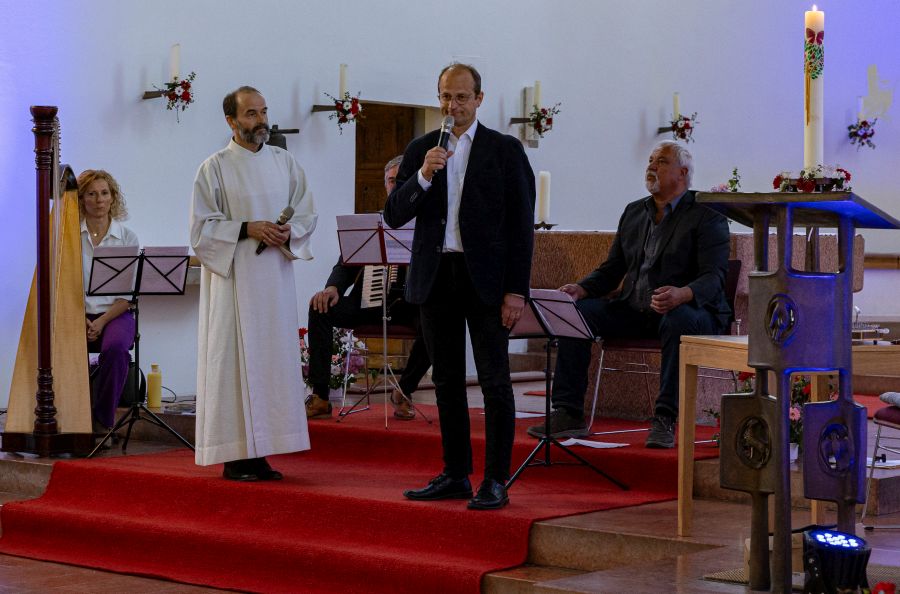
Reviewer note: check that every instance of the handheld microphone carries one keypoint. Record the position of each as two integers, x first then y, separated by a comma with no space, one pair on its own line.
446,128
283,218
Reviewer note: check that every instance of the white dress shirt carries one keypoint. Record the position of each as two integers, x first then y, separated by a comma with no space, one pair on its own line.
456,175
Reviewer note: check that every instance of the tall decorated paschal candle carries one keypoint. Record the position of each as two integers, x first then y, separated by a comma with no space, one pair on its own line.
814,87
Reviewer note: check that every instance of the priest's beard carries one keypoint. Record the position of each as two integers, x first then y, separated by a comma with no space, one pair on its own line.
257,135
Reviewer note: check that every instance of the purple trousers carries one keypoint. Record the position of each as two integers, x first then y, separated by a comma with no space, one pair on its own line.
109,379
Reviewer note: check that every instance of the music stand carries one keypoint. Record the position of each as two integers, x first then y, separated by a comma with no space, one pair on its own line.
364,240
552,314
127,270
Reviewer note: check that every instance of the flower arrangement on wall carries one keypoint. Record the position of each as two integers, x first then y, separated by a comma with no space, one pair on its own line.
347,109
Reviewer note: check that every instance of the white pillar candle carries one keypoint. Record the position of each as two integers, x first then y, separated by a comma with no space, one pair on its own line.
343,82
814,83
860,110
676,109
537,93
174,61
543,198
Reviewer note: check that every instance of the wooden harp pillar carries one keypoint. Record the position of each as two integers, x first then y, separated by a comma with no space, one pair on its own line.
42,417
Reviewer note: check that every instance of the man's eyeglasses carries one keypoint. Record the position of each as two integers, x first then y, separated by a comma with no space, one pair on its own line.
460,99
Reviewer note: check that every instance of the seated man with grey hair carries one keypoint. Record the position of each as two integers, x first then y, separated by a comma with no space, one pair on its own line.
670,257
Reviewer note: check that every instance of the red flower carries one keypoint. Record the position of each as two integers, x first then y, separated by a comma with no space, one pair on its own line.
354,107
806,185
302,332
776,183
549,122
845,172
185,84
805,390
186,96
744,376
884,588
172,96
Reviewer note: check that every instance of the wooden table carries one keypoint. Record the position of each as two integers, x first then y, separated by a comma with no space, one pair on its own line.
730,352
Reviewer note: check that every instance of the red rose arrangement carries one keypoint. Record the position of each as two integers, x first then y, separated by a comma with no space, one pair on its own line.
820,178
541,118
861,133
179,93
347,110
883,588
683,127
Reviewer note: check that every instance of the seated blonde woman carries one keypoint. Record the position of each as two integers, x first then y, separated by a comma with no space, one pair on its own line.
109,323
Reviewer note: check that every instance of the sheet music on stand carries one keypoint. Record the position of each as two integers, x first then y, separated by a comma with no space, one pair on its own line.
128,272
551,312
365,239
113,271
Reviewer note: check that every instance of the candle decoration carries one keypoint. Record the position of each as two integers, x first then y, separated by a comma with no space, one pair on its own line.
814,87
342,81
681,126
542,211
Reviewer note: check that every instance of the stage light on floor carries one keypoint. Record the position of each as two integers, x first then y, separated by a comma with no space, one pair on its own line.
834,562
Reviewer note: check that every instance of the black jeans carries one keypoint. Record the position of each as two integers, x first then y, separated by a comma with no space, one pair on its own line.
346,313
452,304
615,319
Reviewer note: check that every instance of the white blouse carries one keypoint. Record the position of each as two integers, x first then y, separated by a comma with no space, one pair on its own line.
117,235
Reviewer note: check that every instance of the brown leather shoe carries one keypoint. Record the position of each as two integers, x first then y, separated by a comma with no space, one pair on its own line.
318,408
402,406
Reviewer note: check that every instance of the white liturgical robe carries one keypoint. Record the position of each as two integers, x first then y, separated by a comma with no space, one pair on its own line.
250,391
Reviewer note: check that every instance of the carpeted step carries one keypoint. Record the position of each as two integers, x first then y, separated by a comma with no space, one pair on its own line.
337,523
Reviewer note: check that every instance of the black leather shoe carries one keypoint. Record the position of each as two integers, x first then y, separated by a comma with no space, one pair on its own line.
491,495
441,487
266,472
238,470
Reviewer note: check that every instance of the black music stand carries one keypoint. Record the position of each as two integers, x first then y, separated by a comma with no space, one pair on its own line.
552,314
152,271
364,240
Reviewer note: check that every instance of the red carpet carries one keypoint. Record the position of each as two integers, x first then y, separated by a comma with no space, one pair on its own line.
337,523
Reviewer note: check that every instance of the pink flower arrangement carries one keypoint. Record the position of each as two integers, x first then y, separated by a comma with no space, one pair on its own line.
347,360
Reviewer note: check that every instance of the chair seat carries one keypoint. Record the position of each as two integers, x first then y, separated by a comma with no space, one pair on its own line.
889,416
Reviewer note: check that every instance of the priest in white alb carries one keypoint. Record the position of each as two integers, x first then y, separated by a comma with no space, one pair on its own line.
250,391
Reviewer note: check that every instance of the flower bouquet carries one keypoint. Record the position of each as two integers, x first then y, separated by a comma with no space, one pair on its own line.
732,185
346,358
683,127
541,118
821,178
347,109
179,93
861,133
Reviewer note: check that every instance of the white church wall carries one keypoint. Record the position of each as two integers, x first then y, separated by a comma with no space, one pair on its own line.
612,64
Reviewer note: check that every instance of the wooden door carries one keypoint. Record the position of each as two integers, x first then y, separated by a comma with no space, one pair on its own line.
381,135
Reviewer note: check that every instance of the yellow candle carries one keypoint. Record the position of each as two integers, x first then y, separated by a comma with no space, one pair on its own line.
537,93
676,110
174,61
343,83
543,198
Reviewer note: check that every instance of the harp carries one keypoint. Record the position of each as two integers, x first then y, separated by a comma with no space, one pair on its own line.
49,410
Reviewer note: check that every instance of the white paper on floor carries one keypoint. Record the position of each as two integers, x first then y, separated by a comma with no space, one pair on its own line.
521,414
592,444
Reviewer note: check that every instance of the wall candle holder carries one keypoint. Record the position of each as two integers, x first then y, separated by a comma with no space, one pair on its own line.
542,226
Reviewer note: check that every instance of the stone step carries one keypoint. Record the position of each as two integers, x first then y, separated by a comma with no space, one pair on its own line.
523,579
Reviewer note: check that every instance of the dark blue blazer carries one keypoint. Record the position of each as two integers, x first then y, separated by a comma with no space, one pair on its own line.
693,253
496,216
